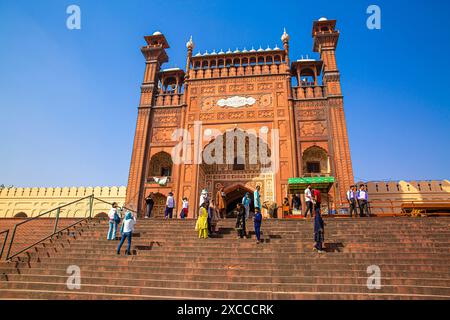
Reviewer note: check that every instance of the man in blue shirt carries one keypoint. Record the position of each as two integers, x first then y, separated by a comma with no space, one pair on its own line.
257,199
246,203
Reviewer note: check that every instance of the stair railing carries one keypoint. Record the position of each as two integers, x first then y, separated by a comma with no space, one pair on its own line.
55,231
110,203
5,235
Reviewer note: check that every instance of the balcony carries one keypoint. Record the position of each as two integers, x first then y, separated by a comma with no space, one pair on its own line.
169,99
308,92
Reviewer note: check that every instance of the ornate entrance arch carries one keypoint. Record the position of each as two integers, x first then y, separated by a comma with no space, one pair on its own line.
235,193
238,173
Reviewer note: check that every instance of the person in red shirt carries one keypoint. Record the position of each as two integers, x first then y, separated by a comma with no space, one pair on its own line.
317,200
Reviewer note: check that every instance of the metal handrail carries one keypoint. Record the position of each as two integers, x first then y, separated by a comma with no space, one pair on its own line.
4,242
110,203
50,211
55,231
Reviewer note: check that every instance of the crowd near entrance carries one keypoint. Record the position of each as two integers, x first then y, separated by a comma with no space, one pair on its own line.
234,197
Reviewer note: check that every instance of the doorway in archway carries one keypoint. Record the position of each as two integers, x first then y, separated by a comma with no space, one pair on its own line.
234,197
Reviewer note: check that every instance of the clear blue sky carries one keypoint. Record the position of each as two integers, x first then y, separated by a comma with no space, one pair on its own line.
68,99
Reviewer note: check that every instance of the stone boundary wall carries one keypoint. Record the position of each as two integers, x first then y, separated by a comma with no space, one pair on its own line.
386,197
35,201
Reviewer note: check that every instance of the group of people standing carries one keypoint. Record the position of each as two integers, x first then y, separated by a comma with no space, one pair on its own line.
358,198
313,201
127,226
211,211
243,214
208,216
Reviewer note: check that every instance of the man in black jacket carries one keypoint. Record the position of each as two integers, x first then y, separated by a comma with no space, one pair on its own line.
150,203
240,222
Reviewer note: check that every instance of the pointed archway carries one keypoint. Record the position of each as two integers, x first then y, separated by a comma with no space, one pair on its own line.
235,193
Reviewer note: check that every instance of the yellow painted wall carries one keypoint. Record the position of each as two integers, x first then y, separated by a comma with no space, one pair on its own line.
34,201
387,197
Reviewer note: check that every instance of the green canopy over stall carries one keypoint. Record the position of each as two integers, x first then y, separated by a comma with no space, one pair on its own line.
298,185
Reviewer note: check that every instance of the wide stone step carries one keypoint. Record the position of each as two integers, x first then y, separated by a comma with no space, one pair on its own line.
255,292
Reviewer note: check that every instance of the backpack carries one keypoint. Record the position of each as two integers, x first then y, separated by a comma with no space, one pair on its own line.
116,218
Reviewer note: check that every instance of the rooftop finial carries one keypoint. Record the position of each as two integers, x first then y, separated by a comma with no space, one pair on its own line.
285,37
190,44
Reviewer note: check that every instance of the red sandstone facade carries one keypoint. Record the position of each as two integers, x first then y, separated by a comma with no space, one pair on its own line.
301,100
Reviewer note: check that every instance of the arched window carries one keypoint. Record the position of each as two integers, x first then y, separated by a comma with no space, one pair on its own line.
228,63
269,60
307,77
236,62
170,85
205,65
161,165
245,62
315,161
277,60
261,60
197,65
21,215
253,61
213,64
221,63
101,215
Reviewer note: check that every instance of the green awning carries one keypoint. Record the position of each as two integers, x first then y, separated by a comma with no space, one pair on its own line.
297,185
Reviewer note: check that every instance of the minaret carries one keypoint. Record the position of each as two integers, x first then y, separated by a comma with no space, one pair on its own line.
285,38
326,38
155,55
190,46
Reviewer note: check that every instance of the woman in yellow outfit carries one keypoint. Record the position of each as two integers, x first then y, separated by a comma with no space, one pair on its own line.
202,222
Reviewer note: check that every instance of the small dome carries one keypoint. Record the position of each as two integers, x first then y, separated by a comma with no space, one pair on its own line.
268,49
214,52
157,33
206,53
245,50
236,51
229,51
190,44
276,47
285,37
253,49
198,54
221,52
260,49
323,19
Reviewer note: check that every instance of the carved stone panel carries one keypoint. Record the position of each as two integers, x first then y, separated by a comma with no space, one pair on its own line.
166,117
188,173
162,135
313,114
313,128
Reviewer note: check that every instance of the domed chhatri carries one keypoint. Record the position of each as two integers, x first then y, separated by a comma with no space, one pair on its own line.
157,33
190,44
285,37
323,19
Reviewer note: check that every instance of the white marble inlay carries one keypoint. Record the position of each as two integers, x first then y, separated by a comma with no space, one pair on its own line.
236,102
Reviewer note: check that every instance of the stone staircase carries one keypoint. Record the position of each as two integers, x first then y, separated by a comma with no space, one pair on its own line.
170,262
